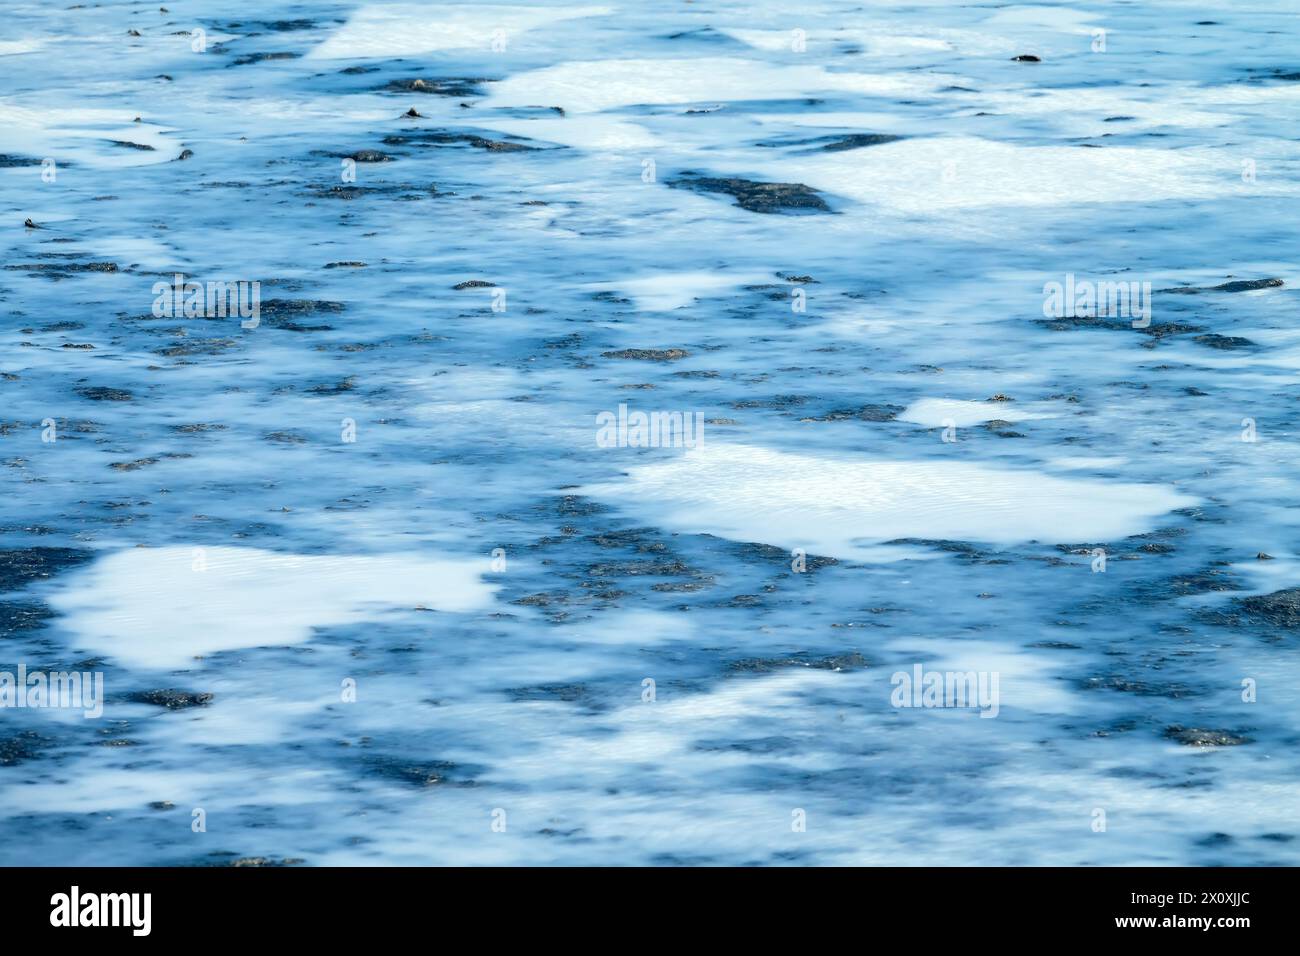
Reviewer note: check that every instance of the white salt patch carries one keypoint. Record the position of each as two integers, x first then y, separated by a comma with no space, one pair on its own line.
402,29
940,412
909,175
835,506
604,84
149,607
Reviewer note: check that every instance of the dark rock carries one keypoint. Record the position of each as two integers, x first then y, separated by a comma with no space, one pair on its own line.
625,568
1199,737
569,693
443,138
1225,342
1240,285
1281,608
865,413
757,196
417,773
474,284
18,616
282,313
859,141
248,58
1025,58
25,745
763,665
445,86
21,566
1141,688
649,355
171,698
224,859
64,267
133,465
103,394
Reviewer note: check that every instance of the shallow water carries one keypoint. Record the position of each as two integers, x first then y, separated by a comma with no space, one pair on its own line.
380,530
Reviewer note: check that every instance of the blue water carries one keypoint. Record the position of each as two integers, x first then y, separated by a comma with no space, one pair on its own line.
503,717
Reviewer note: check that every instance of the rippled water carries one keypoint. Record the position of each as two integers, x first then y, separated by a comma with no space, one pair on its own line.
442,620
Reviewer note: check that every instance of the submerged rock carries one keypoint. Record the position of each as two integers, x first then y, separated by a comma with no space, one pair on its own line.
763,665
1224,342
1200,737
21,566
441,86
25,745
648,355
427,773
859,141
1281,608
64,267
864,413
281,313
171,698
249,58
757,196
18,616
569,693
444,138
1238,285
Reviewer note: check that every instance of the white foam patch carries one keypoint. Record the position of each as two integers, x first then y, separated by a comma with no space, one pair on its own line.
150,607
14,47
1072,106
84,135
662,293
872,42
597,85
1058,19
836,506
941,412
1087,463
402,29
921,176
